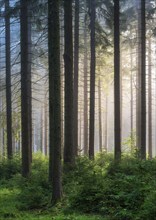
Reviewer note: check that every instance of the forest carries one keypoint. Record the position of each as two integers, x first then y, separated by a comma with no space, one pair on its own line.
78,109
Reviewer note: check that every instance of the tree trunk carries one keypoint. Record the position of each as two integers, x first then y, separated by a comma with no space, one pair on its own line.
45,128
92,80
106,126
42,131
55,169
62,73
131,103
143,81
76,74
85,134
80,130
68,61
8,81
117,98
138,80
100,120
149,101
25,89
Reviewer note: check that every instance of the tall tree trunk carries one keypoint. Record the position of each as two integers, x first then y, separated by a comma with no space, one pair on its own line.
42,132
100,120
143,81
45,128
8,81
76,74
29,84
121,95
138,79
62,73
149,101
131,103
92,80
106,126
55,169
85,133
25,89
117,97
80,131
68,60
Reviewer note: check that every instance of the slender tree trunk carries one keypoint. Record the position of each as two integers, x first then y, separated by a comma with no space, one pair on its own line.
29,81
4,154
121,95
143,81
117,97
55,169
92,80
100,120
62,74
106,126
42,132
45,128
80,131
131,104
8,81
138,80
1,134
76,74
68,60
149,101
85,134
25,89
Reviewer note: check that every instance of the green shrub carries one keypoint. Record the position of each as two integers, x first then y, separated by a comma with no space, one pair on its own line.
36,191
8,168
117,190
148,209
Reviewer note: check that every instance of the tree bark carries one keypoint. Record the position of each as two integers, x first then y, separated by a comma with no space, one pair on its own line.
92,80
80,130
8,81
143,81
100,120
131,103
68,61
138,80
149,101
25,89
76,74
117,98
55,168
85,134
106,125
45,128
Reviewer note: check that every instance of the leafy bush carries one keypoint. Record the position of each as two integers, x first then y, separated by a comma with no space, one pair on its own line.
8,168
148,210
119,191
36,191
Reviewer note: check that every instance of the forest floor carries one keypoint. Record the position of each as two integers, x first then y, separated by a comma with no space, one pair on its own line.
93,190
9,209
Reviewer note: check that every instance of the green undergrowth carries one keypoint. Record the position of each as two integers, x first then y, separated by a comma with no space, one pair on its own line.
95,190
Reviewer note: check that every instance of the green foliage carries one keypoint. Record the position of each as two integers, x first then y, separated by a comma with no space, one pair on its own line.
36,191
8,168
115,191
119,191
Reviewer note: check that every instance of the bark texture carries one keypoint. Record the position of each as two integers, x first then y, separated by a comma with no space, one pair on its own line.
117,98
92,80
55,168
68,61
